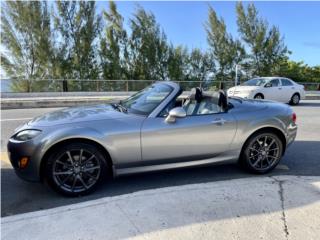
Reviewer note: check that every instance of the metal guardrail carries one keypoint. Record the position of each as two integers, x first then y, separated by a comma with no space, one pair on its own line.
101,85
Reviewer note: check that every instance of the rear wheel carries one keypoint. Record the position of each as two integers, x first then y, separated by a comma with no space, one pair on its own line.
75,169
262,152
258,96
295,99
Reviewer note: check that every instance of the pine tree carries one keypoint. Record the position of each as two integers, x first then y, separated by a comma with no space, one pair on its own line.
226,51
113,45
27,44
201,66
266,44
178,63
149,51
113,48
77,26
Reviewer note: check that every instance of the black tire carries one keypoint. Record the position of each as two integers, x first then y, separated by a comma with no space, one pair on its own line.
295,99
77,176
261,153
258,96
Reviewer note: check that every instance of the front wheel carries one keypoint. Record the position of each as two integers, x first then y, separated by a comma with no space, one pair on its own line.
75,169
262,152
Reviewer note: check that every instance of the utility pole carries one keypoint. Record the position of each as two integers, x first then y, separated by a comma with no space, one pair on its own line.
236,78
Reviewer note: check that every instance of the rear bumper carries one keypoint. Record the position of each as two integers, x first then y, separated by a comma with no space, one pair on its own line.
292,130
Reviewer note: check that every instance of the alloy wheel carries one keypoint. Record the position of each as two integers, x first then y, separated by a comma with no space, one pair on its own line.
76,170
264,152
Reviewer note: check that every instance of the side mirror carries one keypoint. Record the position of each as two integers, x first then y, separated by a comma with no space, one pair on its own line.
174,113
268,85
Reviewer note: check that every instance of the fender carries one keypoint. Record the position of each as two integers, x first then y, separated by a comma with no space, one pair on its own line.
49,140
245,129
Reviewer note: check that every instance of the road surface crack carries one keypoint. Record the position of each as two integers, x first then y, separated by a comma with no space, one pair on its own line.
129,219
283,213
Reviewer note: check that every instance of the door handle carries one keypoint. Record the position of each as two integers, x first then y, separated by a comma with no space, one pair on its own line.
219,121
279,88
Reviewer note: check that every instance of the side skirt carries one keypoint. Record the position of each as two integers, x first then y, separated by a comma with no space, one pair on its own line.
231,157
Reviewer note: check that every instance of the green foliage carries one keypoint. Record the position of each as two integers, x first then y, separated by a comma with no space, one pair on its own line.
298,71
201,65
113,48
114,45
178,63
26,39
149,51
77,27
74,41
226,51
266,44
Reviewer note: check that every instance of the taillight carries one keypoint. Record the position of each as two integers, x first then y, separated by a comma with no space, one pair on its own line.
294,117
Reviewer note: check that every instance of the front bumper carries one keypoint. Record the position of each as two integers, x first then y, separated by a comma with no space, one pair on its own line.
17,150
246,95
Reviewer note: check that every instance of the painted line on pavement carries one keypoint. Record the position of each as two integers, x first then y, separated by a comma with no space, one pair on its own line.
4,158
15,119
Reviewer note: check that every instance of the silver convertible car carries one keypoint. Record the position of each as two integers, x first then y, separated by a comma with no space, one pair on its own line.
74,149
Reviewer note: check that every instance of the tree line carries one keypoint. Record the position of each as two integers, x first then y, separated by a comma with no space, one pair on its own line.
71,40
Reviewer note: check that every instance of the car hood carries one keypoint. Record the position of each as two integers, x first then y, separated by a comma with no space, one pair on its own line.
77,114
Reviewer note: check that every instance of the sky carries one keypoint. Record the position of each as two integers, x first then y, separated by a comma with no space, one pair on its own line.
183,22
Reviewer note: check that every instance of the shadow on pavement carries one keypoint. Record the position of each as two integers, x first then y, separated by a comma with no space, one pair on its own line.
18,196
308,104
250,208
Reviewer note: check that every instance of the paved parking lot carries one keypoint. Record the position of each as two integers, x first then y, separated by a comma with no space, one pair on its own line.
17,196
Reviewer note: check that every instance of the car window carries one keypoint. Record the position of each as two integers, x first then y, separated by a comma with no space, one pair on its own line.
275,82
254,82
286,82
174,103
208,105
145,101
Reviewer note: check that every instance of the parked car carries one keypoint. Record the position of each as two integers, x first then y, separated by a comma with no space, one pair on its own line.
74,149
273,88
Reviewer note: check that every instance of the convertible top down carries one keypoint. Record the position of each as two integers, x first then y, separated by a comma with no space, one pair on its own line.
74,149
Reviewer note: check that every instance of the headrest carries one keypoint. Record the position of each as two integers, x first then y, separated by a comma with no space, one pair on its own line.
223,100
196,94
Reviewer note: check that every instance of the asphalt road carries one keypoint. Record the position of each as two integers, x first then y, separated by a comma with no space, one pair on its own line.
18,196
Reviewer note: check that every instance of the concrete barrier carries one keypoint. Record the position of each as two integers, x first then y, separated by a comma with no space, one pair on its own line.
67,99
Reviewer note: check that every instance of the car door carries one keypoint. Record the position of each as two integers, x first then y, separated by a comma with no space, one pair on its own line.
273,90
288,89
187,139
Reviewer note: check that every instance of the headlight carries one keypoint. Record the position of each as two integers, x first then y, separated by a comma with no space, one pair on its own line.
26,135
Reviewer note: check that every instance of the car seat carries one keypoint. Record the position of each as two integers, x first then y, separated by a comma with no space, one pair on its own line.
193,101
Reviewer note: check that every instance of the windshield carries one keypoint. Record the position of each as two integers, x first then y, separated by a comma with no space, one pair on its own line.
146,100
255,82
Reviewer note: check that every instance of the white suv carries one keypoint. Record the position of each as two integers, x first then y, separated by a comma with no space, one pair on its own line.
274,88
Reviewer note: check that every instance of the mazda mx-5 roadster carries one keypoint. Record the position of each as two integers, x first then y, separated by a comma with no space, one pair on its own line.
75,149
